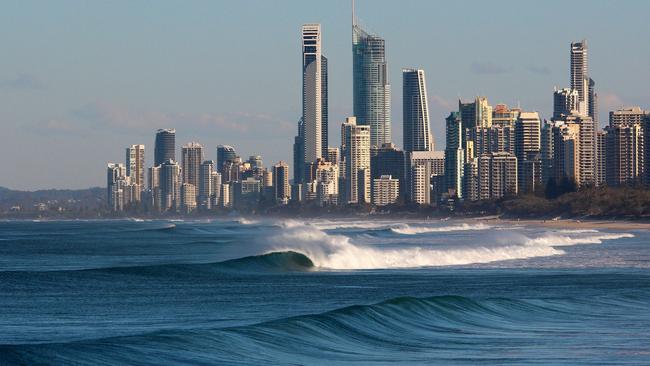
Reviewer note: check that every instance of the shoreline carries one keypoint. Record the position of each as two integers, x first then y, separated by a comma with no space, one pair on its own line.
568,223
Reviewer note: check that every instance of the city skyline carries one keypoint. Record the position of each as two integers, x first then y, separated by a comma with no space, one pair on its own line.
105,126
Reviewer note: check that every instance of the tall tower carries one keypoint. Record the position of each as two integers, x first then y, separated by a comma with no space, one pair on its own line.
192,157
417,133
371,89
312,92
579,75
165,147
135,164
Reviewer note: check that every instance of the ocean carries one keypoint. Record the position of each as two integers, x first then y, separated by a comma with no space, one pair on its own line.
321,292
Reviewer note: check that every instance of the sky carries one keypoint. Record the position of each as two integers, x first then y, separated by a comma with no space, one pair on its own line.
82,80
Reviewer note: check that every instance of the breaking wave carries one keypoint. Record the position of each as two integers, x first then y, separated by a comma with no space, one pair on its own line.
333,251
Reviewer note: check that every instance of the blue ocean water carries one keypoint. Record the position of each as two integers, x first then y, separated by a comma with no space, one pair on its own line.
331,292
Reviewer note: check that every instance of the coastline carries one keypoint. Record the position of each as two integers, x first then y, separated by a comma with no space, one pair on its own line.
569,223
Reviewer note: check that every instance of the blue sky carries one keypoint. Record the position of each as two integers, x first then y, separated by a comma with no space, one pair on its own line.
81,80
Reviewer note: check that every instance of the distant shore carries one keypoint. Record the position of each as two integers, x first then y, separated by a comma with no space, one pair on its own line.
568,223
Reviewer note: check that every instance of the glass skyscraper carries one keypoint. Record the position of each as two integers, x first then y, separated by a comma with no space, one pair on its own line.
371,90
165,146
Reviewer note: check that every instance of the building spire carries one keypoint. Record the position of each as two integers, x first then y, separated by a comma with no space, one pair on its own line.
354,18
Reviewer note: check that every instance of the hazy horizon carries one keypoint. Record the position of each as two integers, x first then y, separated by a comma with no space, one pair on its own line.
80,81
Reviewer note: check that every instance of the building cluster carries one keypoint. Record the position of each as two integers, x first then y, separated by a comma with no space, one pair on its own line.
491,151
192,182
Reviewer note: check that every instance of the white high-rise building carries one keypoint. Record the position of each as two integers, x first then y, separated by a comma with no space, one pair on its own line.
327,183
170,185
116,182
135,164
355,150
417,132
385,190
206,187
312,92
192,155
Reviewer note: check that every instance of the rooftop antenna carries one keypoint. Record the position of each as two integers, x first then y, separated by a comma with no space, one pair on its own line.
354,18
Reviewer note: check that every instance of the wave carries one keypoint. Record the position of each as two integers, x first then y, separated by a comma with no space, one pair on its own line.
402,330
274,261
405,229
339,252
561,240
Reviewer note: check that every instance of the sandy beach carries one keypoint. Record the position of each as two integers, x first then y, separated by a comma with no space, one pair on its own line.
571,223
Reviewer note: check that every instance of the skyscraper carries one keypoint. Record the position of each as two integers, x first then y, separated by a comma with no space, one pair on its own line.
192,157
527,151
115,184
299,154
565,102
224,153
355,149
388,160
314,88
165,146
454,155
281,186
371,89
579,75
135,165
170,185
593,102
206,186
417,133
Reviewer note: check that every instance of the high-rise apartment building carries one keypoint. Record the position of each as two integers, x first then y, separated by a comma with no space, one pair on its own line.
527,151
371,89
207,189
327,183
419,190
355,148
170,185
565,102
135,165
165,146
116,181
417,132
497,175
454,155
592,108
388,160
333,155
192,157
631,117
281,186
574,149
385,190
601,157
579,75
188,197
624,154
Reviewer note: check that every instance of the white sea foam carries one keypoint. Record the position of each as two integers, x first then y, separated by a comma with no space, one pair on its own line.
405,229
339,252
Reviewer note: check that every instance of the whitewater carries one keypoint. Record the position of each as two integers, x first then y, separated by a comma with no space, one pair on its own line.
329,246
